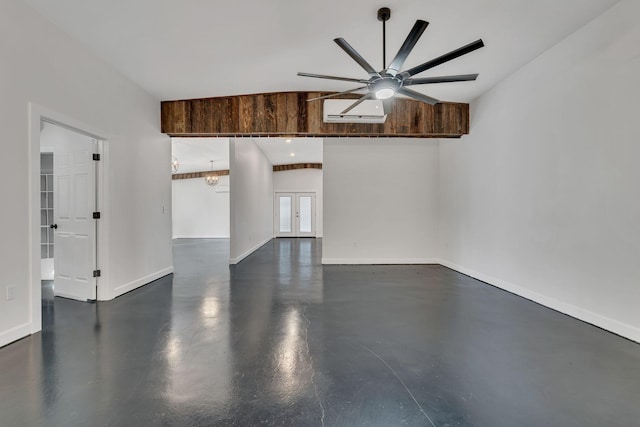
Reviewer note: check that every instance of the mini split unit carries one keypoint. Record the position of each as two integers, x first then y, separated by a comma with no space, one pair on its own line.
370,111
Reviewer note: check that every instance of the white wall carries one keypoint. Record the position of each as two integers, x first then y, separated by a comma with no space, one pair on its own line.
380,201
543,197
200,211
43,66
302,181
251,198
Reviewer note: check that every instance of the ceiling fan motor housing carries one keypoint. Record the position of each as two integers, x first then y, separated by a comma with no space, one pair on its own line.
385,87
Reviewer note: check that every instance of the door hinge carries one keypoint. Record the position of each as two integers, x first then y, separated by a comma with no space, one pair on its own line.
96,157
96,273
96,215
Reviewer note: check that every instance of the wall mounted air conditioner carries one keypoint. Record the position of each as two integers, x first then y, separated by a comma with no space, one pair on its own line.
370,111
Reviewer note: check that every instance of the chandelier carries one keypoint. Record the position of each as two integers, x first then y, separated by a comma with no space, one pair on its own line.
174,165
211,179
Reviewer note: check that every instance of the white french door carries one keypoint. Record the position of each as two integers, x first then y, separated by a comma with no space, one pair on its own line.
74,225
295,215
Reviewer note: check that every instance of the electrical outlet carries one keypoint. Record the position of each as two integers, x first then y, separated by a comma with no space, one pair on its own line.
11,292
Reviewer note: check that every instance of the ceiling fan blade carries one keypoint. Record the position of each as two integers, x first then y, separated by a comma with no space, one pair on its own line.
322,76
444,58
417,95
338,94
442,79
355,104
356,57
407,47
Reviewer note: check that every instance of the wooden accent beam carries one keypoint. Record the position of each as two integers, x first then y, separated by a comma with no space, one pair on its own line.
192,175
288,114
280,168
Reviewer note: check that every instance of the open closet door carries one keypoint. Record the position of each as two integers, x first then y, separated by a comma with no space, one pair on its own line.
74,225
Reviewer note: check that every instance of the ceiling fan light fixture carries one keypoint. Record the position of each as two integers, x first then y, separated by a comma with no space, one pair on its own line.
385,93
175,165
385,87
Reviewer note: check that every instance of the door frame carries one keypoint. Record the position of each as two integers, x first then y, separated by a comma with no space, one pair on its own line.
294,206
38,113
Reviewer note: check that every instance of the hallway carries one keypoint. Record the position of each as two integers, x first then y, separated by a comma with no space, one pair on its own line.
281,340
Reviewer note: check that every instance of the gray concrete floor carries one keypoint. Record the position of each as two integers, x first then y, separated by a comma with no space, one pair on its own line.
281,340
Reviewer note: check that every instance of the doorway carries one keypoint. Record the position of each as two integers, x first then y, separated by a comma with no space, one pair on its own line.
295,215
200,209
39,117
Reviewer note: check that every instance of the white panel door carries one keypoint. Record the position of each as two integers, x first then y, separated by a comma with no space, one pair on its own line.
75,228
295,215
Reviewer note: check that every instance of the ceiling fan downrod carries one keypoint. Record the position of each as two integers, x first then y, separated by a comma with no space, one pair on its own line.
384,13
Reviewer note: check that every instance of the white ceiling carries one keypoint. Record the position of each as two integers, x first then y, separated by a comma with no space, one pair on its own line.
281,151
195,154
196,48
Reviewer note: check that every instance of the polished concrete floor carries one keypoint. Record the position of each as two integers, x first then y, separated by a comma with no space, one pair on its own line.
280,340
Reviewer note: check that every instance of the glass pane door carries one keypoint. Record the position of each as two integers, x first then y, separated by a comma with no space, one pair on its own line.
304,213
295,215
285,214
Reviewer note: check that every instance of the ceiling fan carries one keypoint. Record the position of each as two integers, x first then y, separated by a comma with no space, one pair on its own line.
391,81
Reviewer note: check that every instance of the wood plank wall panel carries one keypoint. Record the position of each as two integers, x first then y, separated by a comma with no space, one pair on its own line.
192,175
289,114
225,172
314,113
295,166
176,116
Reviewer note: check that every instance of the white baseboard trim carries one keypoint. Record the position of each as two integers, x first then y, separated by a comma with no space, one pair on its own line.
67,296
14,334
237,259
377,261
606,323
200,237
120,290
